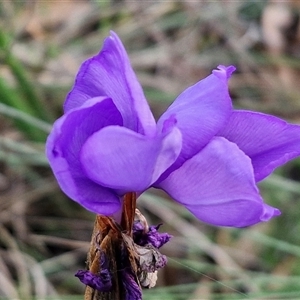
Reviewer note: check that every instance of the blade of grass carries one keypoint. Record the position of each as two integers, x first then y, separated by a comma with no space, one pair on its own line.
27,89
12,99
22,116
275,243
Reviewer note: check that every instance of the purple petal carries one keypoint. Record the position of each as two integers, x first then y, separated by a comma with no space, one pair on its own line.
267,140
224,72
109,74
201,111
64,144
217,185
129,161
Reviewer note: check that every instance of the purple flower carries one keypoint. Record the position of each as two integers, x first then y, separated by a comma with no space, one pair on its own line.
202,152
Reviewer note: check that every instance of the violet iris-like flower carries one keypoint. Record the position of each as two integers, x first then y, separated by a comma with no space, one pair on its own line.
203,153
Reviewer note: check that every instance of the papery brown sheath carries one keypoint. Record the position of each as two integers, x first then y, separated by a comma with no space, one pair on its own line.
115,240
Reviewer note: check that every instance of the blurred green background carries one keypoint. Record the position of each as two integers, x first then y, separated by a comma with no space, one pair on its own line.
44,237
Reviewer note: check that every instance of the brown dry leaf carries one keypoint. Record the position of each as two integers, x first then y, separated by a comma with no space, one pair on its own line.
105,238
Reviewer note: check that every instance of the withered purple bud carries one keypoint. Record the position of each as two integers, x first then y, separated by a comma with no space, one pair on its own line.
153,237
157,239
150,258
102,281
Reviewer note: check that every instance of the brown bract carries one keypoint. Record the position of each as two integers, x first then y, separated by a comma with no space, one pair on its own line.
125,258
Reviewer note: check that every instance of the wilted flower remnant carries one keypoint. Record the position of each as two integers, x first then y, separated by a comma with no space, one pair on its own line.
203,153
128,250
